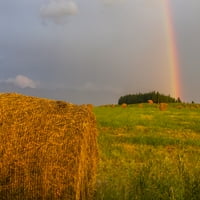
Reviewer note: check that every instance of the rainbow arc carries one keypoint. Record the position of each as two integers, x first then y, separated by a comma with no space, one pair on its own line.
173,56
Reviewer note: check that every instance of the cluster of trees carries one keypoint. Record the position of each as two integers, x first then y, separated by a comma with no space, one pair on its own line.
156,97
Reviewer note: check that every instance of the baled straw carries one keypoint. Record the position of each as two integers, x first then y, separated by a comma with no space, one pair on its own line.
163,106
48,149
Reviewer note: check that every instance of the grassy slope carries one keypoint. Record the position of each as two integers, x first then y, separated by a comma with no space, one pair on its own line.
148,154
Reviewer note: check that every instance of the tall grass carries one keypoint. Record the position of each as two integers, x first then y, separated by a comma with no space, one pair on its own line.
149,154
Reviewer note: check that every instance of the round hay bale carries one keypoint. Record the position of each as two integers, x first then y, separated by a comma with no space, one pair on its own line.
163,106
150,101
48,149
124,105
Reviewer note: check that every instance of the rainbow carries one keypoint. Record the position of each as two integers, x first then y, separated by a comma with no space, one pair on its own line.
173,56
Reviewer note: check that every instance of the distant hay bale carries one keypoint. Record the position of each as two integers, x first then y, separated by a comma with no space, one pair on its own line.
124,105
163,106
150,101
48,149
112,105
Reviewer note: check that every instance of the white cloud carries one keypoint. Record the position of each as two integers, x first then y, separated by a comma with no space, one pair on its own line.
22,82
58,10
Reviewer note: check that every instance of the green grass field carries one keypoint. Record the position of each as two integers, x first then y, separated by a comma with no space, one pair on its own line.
148,154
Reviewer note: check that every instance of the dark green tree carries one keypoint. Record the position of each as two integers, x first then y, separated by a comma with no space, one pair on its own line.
156,97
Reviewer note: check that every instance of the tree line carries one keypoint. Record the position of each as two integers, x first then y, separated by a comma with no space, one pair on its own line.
156,97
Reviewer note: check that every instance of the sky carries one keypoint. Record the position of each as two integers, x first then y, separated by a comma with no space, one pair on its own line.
105,47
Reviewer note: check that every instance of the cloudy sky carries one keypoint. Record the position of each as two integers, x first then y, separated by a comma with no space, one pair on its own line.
110,47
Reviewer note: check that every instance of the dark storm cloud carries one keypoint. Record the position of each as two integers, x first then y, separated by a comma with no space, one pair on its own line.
115,49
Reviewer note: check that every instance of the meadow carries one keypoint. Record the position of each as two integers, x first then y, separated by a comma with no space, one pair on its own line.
145,151
148,154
